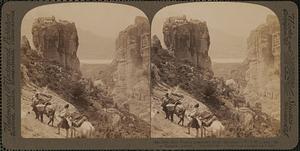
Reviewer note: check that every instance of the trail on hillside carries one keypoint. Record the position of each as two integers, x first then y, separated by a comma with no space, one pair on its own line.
161,127
31,127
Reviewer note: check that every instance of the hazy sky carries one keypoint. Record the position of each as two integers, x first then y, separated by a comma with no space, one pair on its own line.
105,20
229,24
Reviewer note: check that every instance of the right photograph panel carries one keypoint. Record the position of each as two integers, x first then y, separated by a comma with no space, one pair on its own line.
215,71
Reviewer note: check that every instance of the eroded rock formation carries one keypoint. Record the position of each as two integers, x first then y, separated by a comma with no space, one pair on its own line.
56,41
188,40
131,76
263,62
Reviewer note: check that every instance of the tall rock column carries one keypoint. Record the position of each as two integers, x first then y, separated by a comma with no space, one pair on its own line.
263,59
57,41
188,40
131,61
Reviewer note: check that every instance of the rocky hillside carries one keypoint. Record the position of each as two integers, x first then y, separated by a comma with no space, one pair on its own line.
128,75
263,64
173,67
54,64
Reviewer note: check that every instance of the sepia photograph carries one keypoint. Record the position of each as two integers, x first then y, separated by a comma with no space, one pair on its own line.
85,71
215,71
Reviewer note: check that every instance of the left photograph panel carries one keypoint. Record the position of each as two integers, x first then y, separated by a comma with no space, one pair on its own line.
85,72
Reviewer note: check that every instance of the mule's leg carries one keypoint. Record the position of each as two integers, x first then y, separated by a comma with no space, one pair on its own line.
202,131
179,121
67,133
52,117
36,113
172,115
189,131
72,133
90,133
75,133
197,132
34,109
58,128
41,114
179,116
167,115
50,120
183,113
189,127
164,109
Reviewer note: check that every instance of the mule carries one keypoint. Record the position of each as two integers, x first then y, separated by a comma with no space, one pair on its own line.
178,109
85,130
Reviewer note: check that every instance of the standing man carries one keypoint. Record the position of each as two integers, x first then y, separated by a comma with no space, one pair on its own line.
165,102
35,101
194,122
63,123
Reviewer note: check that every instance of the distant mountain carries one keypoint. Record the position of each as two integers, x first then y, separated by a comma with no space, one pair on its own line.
92,46
226,45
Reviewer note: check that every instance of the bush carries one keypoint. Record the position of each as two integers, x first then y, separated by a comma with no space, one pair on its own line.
78,91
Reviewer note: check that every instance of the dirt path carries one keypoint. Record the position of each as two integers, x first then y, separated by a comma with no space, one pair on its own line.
33,128
163,128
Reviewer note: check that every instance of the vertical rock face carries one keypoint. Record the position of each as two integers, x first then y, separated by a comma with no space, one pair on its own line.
263,60
56,41
131,77
189,40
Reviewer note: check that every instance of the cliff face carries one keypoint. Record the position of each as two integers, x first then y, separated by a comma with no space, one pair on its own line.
131,63
263,62
188,40
57,41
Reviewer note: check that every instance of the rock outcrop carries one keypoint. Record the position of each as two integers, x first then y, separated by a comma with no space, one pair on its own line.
57,41
131,63
263,63
188,40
